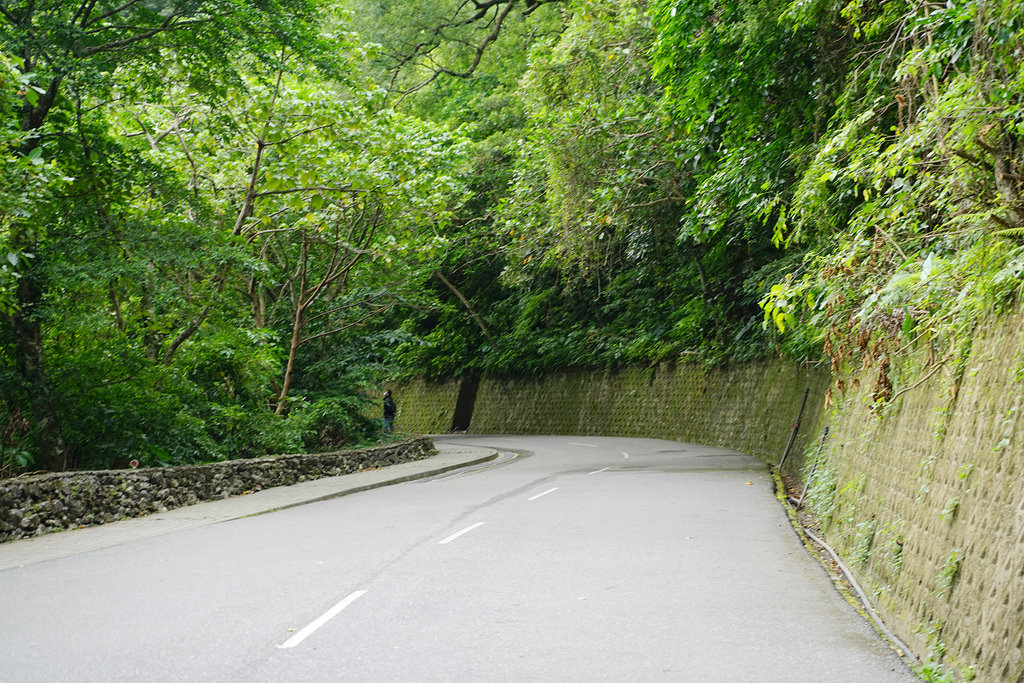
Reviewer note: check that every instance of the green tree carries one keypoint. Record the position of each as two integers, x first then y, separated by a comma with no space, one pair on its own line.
67,56
910,201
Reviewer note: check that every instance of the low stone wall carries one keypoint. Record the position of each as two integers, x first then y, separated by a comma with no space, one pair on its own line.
33,505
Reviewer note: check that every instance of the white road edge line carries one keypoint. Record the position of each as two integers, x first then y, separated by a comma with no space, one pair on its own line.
603,469
459,533
327,616
543,494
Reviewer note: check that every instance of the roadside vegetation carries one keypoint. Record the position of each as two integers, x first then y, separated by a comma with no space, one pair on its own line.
223,224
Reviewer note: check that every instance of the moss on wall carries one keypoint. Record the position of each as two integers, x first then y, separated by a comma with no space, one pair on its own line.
924,498
425,407
751,408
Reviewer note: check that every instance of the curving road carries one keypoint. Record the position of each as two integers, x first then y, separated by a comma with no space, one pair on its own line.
575,559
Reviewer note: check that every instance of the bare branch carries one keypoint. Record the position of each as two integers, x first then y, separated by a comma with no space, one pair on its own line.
342,307
314,188
488,39
300,134
197,322
145,34
469,307
83,11
350,325
86,21
486,15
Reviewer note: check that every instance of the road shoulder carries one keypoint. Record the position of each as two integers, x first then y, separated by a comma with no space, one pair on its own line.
60,544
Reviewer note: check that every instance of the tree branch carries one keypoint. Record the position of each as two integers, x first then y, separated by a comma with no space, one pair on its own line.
351,324
469,307
146,34
86,21
973,160
314,188
196,323
464,15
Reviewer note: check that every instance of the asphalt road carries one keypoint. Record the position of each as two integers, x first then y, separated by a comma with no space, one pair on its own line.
580,559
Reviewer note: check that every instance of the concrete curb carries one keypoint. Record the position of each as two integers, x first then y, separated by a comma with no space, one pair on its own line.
429,469
23,552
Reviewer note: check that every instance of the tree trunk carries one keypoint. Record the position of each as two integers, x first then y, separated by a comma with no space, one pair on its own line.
293,348
469,307
1006,181
25,323
302,302
52,451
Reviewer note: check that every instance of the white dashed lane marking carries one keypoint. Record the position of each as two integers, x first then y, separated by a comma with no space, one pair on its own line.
327,616
460,533
543,494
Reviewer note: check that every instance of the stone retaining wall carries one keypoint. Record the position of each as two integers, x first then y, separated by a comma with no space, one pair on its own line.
750,407
924,501
33,505
426,407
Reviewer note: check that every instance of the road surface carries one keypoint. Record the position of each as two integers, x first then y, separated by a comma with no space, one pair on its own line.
578,559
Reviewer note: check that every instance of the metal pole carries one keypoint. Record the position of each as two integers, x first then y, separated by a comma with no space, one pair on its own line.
794,430
810,477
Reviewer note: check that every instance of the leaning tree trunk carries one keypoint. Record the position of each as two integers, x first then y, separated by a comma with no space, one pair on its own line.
293,349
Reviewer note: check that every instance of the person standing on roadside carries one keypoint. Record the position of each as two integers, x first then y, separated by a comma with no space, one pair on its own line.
390,410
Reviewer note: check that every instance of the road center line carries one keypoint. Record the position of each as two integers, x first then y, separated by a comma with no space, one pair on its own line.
543,494
585,445
327,616
459,533
603,469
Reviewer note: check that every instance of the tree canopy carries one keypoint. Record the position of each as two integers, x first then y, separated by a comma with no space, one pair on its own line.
224,225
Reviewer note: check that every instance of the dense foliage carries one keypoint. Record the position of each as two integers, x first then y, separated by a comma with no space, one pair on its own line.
223,224
721,180
204,200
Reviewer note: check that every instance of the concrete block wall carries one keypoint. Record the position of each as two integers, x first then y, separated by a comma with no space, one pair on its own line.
425,407
926,502
751,408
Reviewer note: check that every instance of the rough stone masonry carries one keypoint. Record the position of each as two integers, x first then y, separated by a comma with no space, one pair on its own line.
33,505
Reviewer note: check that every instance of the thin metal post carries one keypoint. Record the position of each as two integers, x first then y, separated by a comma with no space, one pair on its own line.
794,430
814,467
